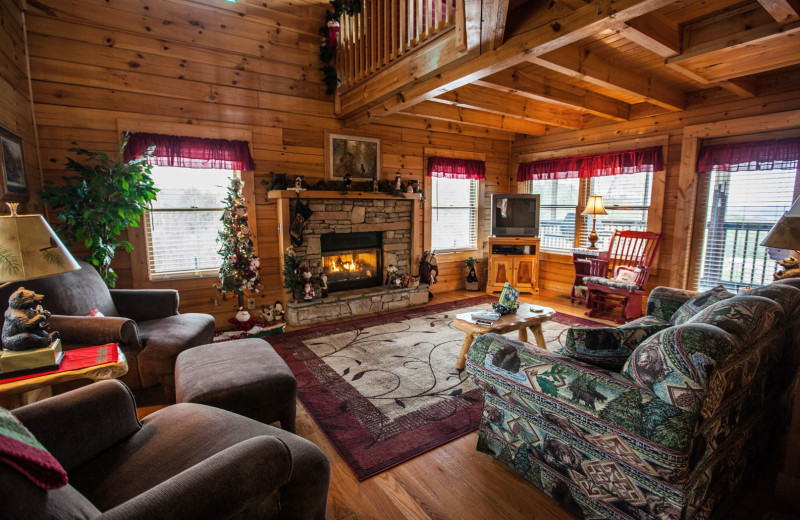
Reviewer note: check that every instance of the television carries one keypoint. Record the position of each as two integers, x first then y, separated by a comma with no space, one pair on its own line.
515,215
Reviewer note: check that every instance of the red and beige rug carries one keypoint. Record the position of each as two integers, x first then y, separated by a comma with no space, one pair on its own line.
385,389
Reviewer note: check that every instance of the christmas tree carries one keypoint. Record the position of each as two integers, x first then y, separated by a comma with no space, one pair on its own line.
240,265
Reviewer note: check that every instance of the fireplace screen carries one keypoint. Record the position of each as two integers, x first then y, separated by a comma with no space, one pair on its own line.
352,260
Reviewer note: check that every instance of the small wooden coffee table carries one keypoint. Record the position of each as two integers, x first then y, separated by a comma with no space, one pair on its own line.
523,320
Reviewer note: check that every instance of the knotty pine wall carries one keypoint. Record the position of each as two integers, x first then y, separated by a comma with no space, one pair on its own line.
16,113
777,93
98,66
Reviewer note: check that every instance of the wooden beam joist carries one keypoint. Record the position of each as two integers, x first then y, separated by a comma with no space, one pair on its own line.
783,11
490,100
531,85
554,32
574,62
447,112
654,32
493,23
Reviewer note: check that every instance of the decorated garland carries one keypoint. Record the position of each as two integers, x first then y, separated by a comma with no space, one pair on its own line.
329,36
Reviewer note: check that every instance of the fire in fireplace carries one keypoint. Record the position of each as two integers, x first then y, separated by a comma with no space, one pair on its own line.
352,260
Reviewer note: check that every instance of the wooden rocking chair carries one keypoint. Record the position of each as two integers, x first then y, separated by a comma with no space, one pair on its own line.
617,278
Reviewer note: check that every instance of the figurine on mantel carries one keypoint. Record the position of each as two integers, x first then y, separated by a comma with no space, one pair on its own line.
323,284
398,182
298,183
348,181
375,185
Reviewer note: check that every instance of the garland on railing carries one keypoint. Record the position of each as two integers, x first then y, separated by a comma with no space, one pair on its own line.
329,34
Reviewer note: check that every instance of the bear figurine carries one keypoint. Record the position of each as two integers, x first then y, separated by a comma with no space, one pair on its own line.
25,326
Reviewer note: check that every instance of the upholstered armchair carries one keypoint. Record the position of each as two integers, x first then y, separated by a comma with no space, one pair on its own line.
183,461
145,323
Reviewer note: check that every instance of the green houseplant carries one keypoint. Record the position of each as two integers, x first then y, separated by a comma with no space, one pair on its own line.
104,198
472,277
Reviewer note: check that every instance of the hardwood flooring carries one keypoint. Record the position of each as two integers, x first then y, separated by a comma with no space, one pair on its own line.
454,481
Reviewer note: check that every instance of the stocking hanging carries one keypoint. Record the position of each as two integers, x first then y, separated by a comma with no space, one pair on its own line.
301,214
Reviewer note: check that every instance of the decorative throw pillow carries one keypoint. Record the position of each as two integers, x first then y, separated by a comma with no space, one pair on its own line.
627,274
610,347
20,450
698,303
94,313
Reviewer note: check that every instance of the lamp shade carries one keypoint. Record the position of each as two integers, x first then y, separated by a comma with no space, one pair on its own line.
785,234
594,206
30,249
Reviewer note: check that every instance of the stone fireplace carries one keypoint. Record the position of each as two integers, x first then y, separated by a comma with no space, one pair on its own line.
357,236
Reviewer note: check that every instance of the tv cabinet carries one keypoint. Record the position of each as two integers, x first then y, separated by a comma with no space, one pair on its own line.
514,260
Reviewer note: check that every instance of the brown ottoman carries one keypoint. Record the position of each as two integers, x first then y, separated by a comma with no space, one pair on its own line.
244,376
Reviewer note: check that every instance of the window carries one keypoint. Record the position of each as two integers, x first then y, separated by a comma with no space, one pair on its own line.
182,228
559,201
454,214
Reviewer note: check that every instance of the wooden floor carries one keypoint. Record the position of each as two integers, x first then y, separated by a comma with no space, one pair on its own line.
455,481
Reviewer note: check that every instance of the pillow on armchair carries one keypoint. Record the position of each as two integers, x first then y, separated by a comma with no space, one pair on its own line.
610,347
705,299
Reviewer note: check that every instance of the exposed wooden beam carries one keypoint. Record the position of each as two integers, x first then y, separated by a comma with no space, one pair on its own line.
481,98
654,32
459,114
742,87
493,23
783,11
408,121
555,32
577,63
533,86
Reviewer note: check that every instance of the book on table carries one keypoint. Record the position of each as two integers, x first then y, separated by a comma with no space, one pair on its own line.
38,359
485,315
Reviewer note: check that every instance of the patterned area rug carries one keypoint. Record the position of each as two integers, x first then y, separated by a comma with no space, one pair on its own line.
385,389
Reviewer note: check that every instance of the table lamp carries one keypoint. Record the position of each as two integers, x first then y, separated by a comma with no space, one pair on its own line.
785,234
29,249
594,207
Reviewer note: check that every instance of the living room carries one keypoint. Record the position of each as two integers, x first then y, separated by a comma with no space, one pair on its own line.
524,84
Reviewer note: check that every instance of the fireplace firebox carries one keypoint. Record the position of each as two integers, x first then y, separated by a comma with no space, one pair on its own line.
352,260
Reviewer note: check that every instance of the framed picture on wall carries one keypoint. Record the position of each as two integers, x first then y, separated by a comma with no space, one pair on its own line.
357,155
15,182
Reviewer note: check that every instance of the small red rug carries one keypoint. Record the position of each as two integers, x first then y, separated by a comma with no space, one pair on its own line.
385,389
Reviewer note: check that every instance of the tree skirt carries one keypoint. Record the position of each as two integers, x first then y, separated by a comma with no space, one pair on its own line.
385,389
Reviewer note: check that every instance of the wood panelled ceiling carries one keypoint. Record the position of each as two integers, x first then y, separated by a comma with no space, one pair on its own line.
564,63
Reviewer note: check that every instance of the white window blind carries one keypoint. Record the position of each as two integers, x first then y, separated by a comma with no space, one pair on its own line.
183,225
626,198
559,199
454,214
735,211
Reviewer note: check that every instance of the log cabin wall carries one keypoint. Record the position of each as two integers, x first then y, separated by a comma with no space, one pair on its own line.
777,93
16,114
99,66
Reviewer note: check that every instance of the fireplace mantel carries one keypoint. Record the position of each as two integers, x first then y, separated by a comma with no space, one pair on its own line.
314,194
285,201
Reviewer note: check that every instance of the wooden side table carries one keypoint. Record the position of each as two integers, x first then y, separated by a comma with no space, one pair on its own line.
521,321
30,389
582,261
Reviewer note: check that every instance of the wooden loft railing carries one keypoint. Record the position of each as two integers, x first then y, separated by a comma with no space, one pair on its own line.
386,30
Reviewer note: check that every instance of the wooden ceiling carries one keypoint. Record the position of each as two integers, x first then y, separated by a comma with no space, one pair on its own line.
569,63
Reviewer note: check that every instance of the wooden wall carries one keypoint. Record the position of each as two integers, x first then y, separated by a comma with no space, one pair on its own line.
16,114
100,66
777,93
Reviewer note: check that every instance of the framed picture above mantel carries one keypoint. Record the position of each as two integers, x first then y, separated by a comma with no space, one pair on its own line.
357,155
14,181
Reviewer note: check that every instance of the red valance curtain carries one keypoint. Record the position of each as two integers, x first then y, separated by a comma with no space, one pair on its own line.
456,168
598,165
192,152
775,154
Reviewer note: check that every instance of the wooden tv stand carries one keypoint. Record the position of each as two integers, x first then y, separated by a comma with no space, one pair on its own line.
514,260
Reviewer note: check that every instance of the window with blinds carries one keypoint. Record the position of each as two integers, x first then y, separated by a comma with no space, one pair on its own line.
182,228
735,211
626,198
454,214
627,202
559,200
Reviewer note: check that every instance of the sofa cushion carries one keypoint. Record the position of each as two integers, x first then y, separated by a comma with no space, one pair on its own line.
20,450
786,296
23,500
676,363
610,347
610,282
745,317
698,303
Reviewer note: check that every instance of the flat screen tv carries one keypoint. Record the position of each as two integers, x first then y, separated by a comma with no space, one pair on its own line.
515,215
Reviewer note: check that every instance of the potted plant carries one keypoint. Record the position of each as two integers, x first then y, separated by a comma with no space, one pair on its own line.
472,276
104,198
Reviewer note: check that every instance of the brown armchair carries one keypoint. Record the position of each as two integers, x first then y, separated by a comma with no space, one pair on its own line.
145,323
183,461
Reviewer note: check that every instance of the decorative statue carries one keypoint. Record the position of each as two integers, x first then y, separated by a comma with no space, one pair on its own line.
267,314
348,181
391,274
398,182
298,183
416,186
790,268
308,286
425,268
434,266
410,187
25,327
323,284
375,185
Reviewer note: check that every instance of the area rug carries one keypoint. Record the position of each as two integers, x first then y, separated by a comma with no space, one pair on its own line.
385,389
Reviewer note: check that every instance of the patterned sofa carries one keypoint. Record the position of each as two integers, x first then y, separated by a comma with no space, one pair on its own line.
672,435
